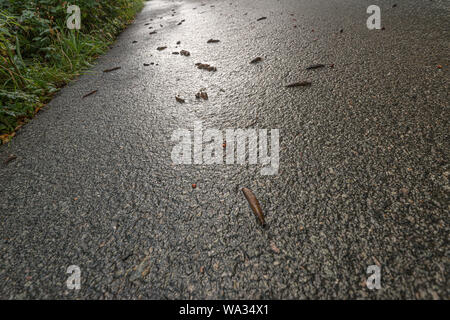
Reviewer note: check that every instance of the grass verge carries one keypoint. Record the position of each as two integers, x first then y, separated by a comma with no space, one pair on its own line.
39,54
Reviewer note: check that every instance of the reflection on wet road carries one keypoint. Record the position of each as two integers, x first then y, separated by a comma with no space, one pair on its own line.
363,176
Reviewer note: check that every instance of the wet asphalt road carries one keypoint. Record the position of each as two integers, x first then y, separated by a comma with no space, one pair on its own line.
363,173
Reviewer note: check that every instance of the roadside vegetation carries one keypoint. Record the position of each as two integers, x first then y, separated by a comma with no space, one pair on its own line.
39,54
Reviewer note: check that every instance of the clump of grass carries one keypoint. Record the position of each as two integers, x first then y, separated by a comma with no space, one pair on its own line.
39,54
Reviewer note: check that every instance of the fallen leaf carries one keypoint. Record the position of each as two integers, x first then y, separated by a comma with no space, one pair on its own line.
112,69
315,66
185,53
161,48
254,204
88,94
6,137
256,60
299,84
202,94
206,66
180,100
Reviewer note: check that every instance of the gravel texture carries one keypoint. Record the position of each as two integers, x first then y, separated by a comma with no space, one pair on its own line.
363,179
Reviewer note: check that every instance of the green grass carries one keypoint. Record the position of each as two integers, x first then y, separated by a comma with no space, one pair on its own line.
39,54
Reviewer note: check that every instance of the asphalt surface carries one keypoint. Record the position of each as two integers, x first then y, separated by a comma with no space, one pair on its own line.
363,178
